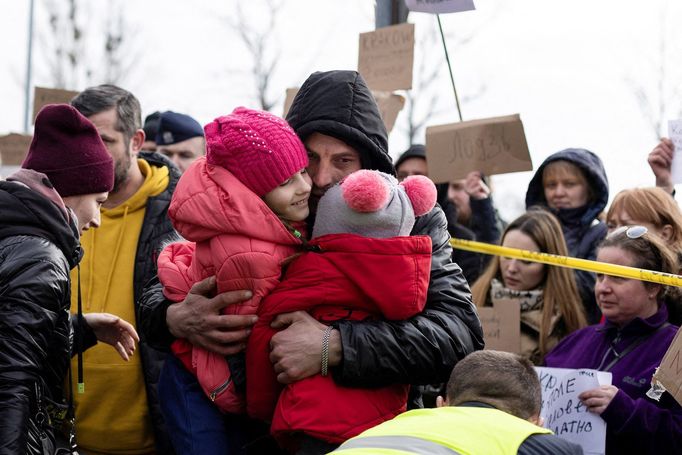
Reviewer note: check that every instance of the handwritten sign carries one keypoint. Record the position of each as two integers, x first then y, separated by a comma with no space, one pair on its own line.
440,6
565,414
386,56
390,105
289,99
43,96
675,135
502,325
669,374
13,148
492,146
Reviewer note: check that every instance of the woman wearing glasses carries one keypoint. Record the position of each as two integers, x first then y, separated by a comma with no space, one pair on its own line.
548,296
630,344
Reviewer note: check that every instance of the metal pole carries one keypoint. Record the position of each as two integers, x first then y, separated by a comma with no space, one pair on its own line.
447,58
29,60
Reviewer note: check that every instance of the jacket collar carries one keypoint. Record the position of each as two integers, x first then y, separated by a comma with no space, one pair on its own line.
639,326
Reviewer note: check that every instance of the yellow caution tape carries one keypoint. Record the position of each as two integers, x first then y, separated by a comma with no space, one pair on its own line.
667,279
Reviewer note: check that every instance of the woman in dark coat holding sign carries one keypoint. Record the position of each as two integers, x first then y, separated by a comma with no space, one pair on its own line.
630,344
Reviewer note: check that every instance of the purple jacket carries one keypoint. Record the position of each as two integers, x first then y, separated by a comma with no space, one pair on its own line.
635,424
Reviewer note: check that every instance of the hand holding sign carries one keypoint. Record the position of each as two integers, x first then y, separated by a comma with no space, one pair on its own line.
566,414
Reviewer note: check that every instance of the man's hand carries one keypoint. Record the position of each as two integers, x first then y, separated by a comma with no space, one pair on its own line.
115,331
661,159
198,319
597,400
475,186
296,351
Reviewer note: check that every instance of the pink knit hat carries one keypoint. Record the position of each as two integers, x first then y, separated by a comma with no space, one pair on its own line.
258,148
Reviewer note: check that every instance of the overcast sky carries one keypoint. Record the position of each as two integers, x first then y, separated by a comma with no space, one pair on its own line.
568,67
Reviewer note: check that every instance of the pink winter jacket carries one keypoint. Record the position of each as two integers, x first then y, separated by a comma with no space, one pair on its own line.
233,235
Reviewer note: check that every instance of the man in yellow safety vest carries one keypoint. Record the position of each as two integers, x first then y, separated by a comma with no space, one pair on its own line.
493,407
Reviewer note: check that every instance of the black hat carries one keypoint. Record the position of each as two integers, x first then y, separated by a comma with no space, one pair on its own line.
151,126
415,151
174,128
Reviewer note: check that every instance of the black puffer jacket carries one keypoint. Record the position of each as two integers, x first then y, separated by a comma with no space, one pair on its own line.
421,350
582,229
38,247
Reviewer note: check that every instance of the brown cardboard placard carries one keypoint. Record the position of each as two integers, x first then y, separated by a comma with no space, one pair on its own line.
390,105
13,148
288,99
386,57
43,96
669,374
494,145
502,325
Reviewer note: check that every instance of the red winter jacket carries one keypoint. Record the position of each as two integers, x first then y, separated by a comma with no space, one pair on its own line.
236,237
350,278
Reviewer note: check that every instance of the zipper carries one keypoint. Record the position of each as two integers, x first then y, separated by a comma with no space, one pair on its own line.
220,389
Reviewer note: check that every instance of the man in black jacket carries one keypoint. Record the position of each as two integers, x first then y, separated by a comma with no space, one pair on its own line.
336,117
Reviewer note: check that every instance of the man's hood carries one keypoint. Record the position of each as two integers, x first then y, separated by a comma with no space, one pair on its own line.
339,104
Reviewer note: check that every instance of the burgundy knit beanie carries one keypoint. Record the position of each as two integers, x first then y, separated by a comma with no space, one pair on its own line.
258,148
67,148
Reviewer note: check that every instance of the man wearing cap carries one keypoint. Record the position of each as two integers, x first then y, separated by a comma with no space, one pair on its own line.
118,413
336,117
180,138
44,206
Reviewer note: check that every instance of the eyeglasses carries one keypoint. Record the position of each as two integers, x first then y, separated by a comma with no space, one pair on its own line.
632,232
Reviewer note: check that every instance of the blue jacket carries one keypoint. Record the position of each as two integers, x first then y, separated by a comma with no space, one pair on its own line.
582,230
635,424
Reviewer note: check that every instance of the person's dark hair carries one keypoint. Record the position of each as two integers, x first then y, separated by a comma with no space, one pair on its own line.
101,98
649,252
503,380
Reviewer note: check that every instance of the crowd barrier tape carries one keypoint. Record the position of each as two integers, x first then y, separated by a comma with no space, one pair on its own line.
569,262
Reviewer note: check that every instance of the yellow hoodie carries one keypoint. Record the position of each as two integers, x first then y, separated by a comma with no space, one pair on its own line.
112,416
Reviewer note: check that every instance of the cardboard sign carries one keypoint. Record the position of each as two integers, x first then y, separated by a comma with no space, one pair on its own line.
43,96
563,411
669,374
440,6
288,100
13,148
386,57
390,105
502,325
492,146
675,135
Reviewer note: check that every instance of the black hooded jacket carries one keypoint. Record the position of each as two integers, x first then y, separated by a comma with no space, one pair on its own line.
38,248
582,229
420,350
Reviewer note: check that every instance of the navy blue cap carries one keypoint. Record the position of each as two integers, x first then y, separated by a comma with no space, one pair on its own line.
174,128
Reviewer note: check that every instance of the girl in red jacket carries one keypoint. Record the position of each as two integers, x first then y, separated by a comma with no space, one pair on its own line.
241,210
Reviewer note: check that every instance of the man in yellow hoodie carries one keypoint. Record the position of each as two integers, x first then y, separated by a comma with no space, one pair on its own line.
118,411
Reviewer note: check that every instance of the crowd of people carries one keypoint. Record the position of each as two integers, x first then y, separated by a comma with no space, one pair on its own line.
295,291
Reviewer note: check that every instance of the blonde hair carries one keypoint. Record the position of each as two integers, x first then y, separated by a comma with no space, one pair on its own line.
560,294
561,168
649,205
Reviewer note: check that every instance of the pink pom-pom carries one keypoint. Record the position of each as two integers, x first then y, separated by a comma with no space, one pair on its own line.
365,191
422,193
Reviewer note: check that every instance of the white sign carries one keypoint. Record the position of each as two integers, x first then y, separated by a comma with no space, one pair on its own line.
675,135
565,414
440,6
